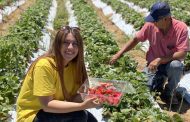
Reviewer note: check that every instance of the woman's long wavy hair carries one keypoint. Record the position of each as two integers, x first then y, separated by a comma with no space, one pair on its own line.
55,53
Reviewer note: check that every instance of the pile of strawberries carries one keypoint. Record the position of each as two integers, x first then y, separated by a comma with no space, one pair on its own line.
106,93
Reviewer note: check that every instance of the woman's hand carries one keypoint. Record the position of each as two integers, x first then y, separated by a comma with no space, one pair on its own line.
91,103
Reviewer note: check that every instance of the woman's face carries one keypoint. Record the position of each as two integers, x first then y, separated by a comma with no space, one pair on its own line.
69,48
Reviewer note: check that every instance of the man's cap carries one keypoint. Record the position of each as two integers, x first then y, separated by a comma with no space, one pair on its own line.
157,11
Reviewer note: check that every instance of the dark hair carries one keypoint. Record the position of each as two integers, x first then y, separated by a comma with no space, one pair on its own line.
55,53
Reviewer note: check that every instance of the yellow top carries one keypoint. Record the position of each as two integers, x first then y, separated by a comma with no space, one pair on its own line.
45,82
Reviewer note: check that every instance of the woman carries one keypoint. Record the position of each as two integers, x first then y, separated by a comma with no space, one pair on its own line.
49,90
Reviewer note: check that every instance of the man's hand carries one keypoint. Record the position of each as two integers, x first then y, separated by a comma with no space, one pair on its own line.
114,59
154,65
128,46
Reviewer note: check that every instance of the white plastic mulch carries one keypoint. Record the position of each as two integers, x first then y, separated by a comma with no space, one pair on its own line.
144,11
184,86
7,10
45,42
97,112
128,29
72,18
117,19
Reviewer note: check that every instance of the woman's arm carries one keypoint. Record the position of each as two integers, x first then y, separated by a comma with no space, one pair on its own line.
57,106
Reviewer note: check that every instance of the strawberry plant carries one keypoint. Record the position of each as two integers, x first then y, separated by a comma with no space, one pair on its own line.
98,43
16,50
128,14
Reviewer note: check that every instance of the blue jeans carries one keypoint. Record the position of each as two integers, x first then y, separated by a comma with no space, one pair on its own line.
172,70
77,116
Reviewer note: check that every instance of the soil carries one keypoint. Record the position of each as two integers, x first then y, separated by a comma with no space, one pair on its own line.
11,19
183,108
139,56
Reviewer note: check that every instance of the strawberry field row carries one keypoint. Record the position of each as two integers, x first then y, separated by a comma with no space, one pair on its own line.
132,17
178,8
128,14
4,3
61,15
16,49
100,46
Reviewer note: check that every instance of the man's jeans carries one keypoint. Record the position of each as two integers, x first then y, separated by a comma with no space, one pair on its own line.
172,70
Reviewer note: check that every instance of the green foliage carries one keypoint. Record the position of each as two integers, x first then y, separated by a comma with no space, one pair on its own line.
100,46
16,50
180,11
128,14
177,118
61,15
4,3
187,62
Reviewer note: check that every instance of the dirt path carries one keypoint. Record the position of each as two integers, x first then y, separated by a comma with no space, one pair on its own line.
11,19
184,111
139,56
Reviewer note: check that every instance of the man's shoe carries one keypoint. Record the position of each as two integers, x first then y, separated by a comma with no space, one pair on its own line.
158,82
169,99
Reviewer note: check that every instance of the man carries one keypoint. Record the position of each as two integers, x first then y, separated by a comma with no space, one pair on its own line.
169,44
